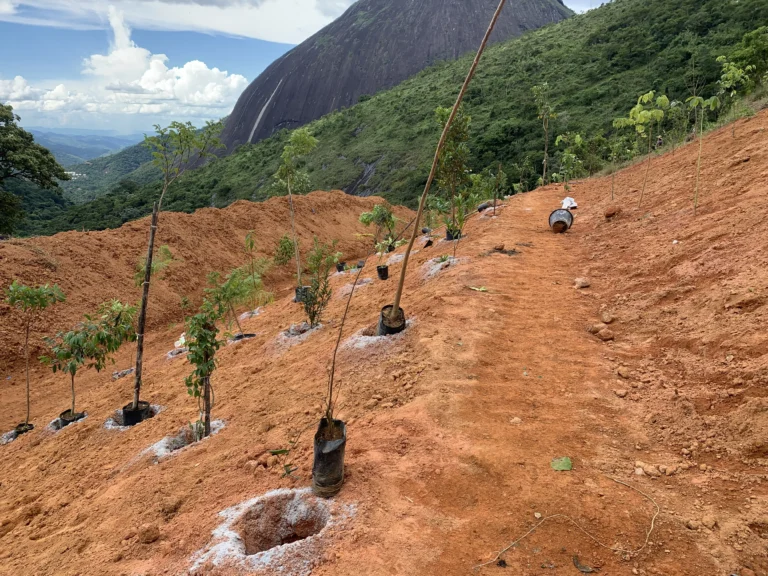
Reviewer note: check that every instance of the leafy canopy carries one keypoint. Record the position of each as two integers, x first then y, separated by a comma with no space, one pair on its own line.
93,341
320,261
383,218
21,157
649,110
31,300
289,175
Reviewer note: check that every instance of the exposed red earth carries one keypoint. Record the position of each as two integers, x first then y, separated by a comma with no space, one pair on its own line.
453,424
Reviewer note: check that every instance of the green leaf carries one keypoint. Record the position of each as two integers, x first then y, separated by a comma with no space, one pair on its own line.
563,464
279,452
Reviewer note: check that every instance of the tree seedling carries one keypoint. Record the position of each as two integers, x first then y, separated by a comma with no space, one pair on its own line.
32,302
160,262
733,80
546,113
383,218
290,179
320,262
91,345
648,111
700,106
203,343
452,171
395,317
174,150
285,251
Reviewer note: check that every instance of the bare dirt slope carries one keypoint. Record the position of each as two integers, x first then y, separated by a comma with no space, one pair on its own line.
453,424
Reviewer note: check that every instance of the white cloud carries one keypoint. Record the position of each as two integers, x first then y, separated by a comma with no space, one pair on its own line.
7,7
287,21
131,80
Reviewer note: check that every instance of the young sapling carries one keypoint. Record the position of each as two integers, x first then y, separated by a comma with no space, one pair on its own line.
32,302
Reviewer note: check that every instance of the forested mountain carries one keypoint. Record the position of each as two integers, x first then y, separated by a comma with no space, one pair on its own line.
71,149
596,64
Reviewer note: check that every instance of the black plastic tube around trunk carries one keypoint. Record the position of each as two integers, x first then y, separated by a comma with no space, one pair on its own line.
383,272
341,266
560,221
328,465
452,234
23,428
132,417
66,418
386,326
301,293
428,243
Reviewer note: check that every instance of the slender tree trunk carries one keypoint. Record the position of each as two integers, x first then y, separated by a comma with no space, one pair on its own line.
234,315
546,150
698,165
422,202
293,230
647,169
72,376
143,311
26,361
207,407
453,207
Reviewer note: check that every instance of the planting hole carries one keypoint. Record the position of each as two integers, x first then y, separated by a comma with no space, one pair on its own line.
282,518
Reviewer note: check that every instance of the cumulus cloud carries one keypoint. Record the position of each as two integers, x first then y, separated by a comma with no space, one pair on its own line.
287,21
130,79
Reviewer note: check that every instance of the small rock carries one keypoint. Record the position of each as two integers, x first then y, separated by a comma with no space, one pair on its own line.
703,467
596,328
639,471
516,421
651,470
692,525
272,460
623,372
611,212
149,533
671,470
685,452
537,515
499,248
377,397
620,393
606,334
265,427
709,521
387,405
581,283
606,318
407,387
370,404
746,571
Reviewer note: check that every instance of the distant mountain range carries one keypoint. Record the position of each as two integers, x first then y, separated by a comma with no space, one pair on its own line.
72,147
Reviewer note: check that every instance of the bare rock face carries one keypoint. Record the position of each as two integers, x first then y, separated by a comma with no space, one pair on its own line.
374,45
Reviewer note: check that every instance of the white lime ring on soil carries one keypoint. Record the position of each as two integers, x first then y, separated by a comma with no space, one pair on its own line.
283,530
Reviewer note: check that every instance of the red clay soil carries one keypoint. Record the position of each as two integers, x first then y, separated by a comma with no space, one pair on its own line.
452,425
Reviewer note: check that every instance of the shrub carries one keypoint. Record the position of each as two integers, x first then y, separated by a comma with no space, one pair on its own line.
320,261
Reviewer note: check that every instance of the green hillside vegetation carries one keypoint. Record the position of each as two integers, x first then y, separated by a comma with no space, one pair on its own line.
105,173
596,65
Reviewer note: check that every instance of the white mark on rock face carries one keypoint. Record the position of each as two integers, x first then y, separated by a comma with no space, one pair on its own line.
261,114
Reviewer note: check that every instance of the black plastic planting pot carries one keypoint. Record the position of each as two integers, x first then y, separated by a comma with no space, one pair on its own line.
67,417
560,221
452,234
23,429
383,272
483,206
328,467
428,243
132,417
387,326
391,248
301,293
426,230
341,266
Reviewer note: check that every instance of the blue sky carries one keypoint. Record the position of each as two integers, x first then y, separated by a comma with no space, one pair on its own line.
127,64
